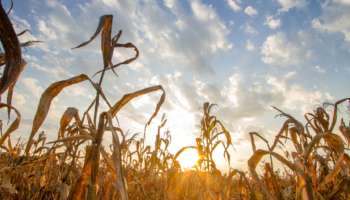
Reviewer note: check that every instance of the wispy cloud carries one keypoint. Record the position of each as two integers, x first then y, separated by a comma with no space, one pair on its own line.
319,70
289,4
248,29
250,46
335,19
32,86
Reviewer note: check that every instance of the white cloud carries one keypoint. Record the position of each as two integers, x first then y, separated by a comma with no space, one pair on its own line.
335,19
290,74
21,22
31,85
209,27
49,33
210,91
167,38
343,1
17,100
139,67
277,50
329,96
57,72
250,46
293,94
234,4
272,23
252,102
251,11
177,37
178,91
22,25
248,29
29,57
76,90
244,130
289,4
319,70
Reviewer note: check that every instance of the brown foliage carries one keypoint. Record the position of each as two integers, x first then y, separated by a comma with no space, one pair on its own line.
317,169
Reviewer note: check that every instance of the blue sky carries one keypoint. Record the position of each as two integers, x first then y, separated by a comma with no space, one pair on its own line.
244,56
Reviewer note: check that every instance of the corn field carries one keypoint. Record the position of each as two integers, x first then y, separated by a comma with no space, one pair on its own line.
318,167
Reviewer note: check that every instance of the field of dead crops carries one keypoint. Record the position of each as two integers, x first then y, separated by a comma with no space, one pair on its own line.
77,166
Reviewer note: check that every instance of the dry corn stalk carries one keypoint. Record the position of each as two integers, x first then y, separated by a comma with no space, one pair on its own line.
146,173
307,147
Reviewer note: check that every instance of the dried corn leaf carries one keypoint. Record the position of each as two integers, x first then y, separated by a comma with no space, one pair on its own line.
8,12
251,134
304,181
340,186
299,126
254,161
41,148
64,191
288,192
182,150
227,134
77,190
30,43
118,161
109,162
293,133
67,118
335,113
128,97
6,182
73,138
206,187
311,145
14,125
336,143
23,32
42,181
9,99
10,148
142,188
215,145
45,101
102,24
345,131
13,56
284,129
228,189
127,45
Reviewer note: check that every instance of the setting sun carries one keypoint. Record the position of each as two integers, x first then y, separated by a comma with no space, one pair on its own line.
188,158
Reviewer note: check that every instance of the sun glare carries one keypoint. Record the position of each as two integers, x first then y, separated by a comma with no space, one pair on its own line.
188,158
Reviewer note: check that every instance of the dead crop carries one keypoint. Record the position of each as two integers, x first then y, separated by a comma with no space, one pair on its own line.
77,166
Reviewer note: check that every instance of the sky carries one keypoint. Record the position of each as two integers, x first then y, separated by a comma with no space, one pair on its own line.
244,56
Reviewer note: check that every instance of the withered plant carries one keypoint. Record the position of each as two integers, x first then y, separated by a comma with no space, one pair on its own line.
72,167
319,161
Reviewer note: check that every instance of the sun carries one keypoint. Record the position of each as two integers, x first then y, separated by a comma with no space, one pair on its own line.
188,158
